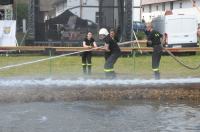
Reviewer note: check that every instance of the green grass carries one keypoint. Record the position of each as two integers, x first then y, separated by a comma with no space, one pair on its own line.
71,66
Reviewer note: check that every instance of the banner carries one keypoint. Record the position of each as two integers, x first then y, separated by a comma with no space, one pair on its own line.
8,33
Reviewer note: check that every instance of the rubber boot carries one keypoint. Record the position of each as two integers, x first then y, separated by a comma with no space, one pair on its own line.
110,75
84,70
89,70
113,75
107,75
157,75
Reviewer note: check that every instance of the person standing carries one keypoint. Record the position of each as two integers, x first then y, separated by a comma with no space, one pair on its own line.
112,51
155,40
88,43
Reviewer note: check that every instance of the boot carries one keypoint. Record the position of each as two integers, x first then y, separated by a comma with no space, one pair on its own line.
110,75
84,70
89,70
113,75
157,75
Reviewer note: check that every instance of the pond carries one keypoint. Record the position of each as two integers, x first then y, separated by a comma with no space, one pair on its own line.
100,116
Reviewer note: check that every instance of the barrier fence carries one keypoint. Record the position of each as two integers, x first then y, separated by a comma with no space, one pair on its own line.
52,61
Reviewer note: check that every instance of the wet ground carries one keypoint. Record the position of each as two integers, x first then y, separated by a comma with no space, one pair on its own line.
100,116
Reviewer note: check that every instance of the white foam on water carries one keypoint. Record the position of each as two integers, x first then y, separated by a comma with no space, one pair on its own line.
43,119
90,82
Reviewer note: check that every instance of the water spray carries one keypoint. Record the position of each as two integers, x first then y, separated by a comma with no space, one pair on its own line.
59,56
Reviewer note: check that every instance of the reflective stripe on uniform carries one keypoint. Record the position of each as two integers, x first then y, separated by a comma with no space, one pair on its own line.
155,69
108,70
86,64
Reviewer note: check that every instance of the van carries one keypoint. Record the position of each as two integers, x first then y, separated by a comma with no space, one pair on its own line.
179,30
139,26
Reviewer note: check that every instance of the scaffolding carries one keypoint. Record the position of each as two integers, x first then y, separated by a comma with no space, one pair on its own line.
124,9
128,19
31,20
112,14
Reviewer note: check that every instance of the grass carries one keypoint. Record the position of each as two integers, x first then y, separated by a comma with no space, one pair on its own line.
71,66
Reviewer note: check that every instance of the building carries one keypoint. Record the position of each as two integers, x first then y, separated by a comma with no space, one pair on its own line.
154,8
136,10
100,13
85,9
6,12
89,9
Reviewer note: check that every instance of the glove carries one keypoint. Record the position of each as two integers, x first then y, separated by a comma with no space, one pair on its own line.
90,47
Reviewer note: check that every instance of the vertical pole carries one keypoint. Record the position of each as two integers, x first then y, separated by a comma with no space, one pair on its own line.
128,19
50,62
133,55
31,20
121,18
141,10
24,25
14,9
100,14
81,8
134,61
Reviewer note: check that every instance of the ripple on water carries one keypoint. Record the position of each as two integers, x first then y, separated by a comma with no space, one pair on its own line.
123,116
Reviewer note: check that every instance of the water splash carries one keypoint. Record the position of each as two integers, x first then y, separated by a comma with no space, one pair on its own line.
91,82
43,119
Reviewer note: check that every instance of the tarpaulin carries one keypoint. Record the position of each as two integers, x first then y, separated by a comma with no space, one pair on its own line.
8,33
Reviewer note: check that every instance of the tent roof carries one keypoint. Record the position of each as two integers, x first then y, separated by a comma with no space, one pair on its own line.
64,17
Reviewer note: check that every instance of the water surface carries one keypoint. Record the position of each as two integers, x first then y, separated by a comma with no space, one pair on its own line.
90,116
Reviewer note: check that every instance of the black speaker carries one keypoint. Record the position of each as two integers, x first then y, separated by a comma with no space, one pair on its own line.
6,2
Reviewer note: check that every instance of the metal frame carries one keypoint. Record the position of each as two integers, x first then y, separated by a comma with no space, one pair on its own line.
31,20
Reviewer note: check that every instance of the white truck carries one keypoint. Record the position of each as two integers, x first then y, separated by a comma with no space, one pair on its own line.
179,30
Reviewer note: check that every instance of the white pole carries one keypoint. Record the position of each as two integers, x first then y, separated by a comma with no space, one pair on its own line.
24,25
138,44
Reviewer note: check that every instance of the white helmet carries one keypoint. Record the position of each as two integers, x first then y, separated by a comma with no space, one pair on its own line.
103,31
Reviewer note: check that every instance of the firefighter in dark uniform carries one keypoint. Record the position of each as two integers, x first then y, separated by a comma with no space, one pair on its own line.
112,51
88,43
155,40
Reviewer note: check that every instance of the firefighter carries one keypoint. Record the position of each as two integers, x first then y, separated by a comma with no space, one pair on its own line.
112,51
88,43
155,40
